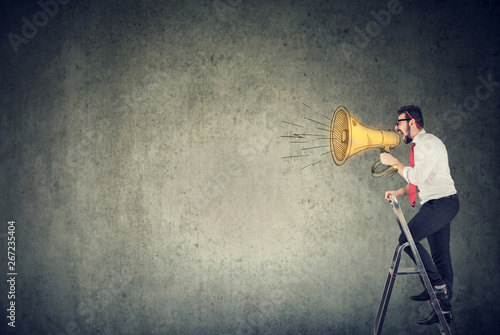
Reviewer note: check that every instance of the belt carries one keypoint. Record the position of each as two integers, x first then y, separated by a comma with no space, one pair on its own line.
454,196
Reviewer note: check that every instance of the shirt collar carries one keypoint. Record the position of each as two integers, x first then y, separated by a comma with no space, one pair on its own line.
419,136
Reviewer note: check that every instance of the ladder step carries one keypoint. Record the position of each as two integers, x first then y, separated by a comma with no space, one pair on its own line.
408,271
405,271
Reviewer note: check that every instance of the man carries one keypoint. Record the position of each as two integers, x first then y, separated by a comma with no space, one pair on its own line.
428,176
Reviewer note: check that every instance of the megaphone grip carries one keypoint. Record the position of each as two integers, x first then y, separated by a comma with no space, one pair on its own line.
382,173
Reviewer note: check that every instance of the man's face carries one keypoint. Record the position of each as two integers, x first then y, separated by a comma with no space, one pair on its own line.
403,127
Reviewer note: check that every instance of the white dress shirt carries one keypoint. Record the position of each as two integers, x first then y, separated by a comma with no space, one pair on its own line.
431,173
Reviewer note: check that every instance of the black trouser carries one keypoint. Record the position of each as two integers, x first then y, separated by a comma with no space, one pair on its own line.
433,221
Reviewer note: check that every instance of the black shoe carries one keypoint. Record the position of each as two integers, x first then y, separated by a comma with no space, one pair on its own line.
433,318
421,297
441,294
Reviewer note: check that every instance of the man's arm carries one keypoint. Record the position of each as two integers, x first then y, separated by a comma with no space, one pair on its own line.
399,193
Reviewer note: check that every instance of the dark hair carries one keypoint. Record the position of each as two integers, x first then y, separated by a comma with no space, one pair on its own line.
414,112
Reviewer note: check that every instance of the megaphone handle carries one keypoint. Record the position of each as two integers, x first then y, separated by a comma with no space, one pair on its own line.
384,172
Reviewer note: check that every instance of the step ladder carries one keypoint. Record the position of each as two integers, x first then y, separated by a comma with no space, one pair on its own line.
394,271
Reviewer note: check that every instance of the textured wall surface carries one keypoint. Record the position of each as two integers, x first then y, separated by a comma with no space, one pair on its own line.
141,160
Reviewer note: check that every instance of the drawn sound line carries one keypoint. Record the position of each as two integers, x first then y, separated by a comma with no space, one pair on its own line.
310,138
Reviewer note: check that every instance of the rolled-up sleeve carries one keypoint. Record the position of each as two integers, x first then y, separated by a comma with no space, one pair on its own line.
405,173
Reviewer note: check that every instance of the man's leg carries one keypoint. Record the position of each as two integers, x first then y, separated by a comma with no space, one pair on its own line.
433,221
426,222
439,243
432,217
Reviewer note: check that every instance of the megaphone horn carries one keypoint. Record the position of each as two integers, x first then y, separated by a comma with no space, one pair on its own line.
348,137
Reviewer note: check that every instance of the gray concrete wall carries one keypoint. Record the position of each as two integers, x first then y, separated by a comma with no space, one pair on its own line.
141,160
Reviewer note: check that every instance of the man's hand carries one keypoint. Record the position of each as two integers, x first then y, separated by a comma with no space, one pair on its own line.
399,193
388,159
388,193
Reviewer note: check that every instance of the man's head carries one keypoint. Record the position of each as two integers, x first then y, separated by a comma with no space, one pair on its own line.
410,122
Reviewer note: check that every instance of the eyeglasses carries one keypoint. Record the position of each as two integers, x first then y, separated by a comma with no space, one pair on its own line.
401,120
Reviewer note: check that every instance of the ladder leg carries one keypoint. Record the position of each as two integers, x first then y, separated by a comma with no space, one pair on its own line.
442,329
386,296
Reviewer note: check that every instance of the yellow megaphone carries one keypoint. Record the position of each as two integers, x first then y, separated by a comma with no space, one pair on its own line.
349,137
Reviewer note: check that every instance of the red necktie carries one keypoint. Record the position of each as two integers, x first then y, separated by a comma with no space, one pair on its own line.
412,195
